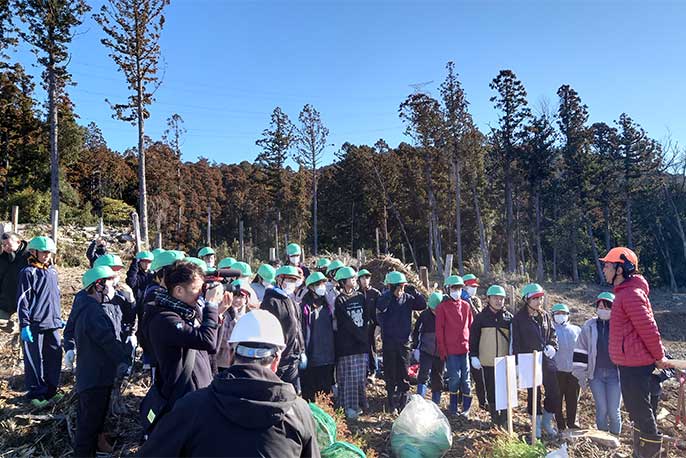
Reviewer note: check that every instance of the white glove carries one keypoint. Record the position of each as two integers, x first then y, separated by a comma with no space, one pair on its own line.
476,364
127,293
415,354
549,351
132,340
69,359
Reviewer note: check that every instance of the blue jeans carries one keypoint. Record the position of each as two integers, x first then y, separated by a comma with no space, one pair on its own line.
458,373
608,397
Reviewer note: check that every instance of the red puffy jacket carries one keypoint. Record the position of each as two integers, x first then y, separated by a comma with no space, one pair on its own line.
453,320
634,337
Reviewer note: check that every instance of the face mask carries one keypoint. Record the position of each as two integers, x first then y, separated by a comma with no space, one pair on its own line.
298,283
289,287
604,314
267,285
109,292
455,294
561,319
471,290
320,290
295,260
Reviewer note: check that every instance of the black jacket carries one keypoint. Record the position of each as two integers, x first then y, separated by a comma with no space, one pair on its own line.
10,265
533,333
352,324
424,333
97,330
246,412
371,295
277,302
170,335
490,335
138,280
395,314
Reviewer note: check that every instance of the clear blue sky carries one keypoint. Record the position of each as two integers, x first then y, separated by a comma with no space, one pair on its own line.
228,63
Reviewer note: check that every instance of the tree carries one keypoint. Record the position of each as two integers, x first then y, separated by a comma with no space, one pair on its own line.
7,31
312,135
49,25
173,136
133,28
511,101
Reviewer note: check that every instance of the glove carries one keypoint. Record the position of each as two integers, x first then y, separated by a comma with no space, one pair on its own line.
122,370
26,335
415,354
132,340
69,359
476,364
303,362
549,351
127,293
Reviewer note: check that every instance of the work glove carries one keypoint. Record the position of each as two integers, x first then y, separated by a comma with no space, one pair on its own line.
132,340
26,334
415,354
476,364
127,293
302,365
69,359
549,351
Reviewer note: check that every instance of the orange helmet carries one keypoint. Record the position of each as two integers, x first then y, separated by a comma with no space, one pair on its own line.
620,255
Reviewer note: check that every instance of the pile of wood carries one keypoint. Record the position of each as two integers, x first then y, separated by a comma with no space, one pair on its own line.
379,267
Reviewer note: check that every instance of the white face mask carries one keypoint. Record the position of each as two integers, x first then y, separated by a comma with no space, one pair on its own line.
109,292
295,260
471,290
320,290
266,284
289,286
299,283
604,314
455,294
561,318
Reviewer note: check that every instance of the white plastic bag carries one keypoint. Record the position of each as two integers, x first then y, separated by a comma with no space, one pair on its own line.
421,431
559,453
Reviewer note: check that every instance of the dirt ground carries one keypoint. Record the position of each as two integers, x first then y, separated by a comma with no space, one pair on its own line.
25,431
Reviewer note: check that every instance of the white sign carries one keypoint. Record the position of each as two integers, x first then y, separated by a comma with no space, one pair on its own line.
526,370
505,377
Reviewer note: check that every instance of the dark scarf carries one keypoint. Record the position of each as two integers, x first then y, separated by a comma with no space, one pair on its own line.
165,301
33,261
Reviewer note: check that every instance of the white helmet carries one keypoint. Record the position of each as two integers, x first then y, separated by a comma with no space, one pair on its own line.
258,327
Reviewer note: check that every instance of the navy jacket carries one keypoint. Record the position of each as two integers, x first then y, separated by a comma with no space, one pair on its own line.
10,266
38,298
68,339
97,331
395,314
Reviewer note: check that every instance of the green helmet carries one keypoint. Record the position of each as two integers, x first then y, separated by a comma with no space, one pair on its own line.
605,296
314,277
453,280
323,262
109,260
290,271
344,273
395,278
335,264
205,251
166,258
145,256
267,272
435,299
197,262
364,272
559,308
243,267
293,249
42,243
496,290
157,251
532,290
471,278
96,273
226,263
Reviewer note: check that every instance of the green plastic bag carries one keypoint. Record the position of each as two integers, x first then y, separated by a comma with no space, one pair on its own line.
326,426
342,450
421,431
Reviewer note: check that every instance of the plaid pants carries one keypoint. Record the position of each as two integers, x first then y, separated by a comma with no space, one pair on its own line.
351,375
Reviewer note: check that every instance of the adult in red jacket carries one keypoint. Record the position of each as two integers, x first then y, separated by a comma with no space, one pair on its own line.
635,345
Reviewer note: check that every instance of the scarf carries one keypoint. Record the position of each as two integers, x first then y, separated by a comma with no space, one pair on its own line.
165,301
33,261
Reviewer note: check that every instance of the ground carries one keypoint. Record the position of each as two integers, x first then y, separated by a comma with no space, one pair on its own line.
28,432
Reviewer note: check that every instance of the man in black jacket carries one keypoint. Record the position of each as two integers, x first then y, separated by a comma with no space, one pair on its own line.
13,258
371,295
247,411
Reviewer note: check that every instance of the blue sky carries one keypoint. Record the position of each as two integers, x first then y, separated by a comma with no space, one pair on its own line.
227,64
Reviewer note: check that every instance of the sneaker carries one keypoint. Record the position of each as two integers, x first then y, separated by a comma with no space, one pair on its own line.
39,403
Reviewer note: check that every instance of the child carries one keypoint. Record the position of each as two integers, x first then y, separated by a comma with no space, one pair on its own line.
471,284
489,338
38,307
371,295
532,329
453,320
593,367
567,335
264,280
426,350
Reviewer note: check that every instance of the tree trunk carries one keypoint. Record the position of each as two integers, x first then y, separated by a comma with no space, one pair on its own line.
352,229
458,216
664,251
677,217
314,211
509,217
540,272
575,257
629,227
606,224
485,254
142,188
54,153
431,243
594,251
434,236
385,224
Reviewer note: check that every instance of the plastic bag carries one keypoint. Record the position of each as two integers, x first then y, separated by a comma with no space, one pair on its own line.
326,426
342,450
559,453
421,431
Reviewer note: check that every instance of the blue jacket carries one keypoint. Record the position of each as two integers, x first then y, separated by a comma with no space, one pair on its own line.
395,314
38,298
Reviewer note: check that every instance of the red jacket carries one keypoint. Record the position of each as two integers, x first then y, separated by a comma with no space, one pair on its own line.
634,337
453,320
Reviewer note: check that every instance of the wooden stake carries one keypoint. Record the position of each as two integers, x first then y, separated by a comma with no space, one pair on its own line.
209,225
378,246
448,269
359,258
15,218
136,232
101,227
272,254
424,276
55,225
534,400
241,245
512,297
159,239
402,250
508,365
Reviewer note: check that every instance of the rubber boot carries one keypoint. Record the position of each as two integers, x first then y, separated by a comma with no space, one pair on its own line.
421,390
466,405
548,424
452,408
539,421
436,397
650,446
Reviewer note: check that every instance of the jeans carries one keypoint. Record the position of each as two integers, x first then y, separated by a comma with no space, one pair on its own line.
429,364
635,383
458,374
607,395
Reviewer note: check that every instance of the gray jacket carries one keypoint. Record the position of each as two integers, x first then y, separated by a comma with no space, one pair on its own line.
567,335
586,352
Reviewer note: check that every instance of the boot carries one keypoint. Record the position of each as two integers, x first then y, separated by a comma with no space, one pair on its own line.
452,408
548,426
103,445
636,438
436,397
421,390
539,421
650,446
466,405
